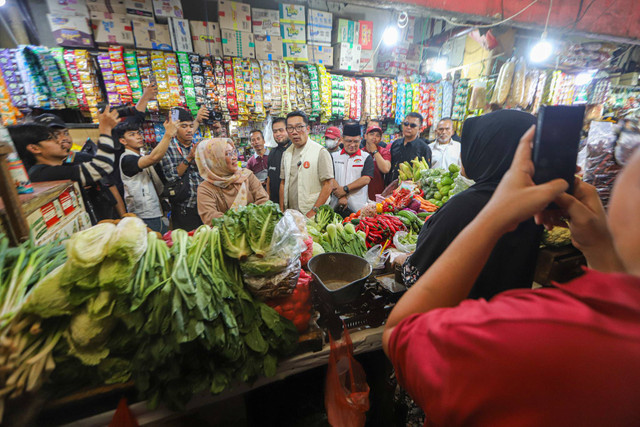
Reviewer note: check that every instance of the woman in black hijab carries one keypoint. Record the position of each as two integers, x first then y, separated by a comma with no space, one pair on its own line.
488,145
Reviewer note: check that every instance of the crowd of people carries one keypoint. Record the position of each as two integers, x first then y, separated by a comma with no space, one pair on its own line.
183,182
470,341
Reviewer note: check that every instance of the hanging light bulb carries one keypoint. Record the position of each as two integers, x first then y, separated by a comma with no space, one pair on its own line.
389,37
3,2
542,50
440,66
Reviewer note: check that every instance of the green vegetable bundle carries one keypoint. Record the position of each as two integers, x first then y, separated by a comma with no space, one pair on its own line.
249,229
25,348
175,320
339,238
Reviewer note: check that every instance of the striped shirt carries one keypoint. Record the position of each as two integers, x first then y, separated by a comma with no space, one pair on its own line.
86,173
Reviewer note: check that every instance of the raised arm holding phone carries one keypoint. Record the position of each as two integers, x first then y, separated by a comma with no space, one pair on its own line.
550,356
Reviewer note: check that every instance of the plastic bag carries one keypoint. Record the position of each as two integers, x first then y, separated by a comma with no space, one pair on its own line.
601,168
297,306
269,142
402,247
277,285
308,253
628,141
478,95
346,396
460,184
288,243
375,258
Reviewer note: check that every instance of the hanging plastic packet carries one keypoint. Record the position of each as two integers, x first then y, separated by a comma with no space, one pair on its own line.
16,168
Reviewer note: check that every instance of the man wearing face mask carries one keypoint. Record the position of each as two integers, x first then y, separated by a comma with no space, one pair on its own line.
332,139
409,146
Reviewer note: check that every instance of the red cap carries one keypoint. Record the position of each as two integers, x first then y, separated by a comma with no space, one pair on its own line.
374,128
332,133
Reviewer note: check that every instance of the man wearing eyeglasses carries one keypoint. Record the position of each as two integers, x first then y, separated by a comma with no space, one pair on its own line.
409,146
306,170
178,161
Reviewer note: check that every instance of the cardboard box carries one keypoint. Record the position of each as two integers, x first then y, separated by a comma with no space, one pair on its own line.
180,35
70,31
365,35
206,38
397,53
266,22
292,13
320,54
113,29
295,52
165,9
292,33
142,8
389,67
346,56
238,43
368,61
234,16
269,48
149,35
319,26
346,31
68,7
98,8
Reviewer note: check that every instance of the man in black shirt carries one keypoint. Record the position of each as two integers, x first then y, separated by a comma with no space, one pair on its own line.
409,146
278,127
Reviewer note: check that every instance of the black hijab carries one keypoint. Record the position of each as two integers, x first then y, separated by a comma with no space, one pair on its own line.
488,145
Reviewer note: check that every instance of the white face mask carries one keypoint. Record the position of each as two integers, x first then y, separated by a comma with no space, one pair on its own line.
330,143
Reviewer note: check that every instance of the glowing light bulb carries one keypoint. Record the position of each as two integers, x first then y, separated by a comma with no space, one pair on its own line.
389,37
541,51
585,77
440,66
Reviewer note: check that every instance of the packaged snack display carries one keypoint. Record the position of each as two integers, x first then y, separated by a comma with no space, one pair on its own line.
503,84
147,77
187,82
460,101
12,78
70,99
517,92
9,114
478,98
131,67
160,75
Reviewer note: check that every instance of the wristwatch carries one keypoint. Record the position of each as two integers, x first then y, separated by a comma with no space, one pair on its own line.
346,189
186,162
374,153
315,209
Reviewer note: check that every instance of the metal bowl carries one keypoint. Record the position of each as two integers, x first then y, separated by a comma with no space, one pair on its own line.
340,276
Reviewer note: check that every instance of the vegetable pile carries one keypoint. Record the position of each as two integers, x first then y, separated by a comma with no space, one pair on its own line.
175,320
25,349
379,229
412,171
557,237
327,230
441,184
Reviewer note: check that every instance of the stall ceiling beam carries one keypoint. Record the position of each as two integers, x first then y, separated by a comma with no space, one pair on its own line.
613,20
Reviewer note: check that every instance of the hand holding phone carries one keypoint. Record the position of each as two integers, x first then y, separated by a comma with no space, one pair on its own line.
555,147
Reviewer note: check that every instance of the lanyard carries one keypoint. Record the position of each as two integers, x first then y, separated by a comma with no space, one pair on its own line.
178,146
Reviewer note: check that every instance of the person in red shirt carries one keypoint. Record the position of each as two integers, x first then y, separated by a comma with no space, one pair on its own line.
563,356
382,159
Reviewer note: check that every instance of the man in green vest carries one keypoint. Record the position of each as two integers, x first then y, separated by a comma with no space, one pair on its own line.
306,171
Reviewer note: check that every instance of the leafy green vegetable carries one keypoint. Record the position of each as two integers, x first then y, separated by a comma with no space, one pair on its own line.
89,247
234,237
260,223
255,266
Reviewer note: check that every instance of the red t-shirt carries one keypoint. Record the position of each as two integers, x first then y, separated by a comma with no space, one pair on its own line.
550,357
376,186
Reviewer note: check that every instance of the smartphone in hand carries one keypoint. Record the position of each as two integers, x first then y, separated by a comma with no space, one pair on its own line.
555,147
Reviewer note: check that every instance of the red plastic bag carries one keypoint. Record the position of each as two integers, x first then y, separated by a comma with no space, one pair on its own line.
297,306
346,397
308,253
123,416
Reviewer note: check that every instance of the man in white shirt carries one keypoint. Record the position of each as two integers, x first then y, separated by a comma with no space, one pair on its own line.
353,171
445,151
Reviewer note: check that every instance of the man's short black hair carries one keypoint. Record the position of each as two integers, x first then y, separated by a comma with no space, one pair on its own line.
257,130
278,120
298,113
416,115
123,127
25,135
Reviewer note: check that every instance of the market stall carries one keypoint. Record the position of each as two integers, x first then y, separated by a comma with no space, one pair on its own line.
186,319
